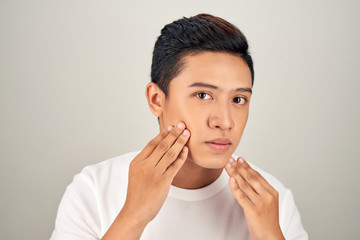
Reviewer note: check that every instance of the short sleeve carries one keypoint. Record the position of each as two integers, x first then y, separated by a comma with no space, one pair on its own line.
78,214
290,220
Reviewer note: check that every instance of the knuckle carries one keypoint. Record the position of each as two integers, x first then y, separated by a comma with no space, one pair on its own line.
241,195
181,141
178,163
256,185
174,133
269,199
172,169
233,171
257,174
237,166
246,166
152,144
175,164
170,153
249,178
164,134
163,145
244,185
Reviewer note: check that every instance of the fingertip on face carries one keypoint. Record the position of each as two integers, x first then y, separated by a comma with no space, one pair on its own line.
241,160
181,125
233,163
186,132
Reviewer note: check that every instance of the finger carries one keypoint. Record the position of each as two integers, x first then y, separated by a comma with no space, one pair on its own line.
174,168
149,148
228,167
239,195
241,183
257,175
254,181
173,153
165,144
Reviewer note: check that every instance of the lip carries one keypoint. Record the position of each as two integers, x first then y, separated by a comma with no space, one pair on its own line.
220,145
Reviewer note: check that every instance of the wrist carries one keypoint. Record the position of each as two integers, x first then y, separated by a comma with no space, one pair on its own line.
273,235
134,218
277,236
126,226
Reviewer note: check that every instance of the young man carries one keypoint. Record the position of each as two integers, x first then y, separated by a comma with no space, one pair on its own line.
176,187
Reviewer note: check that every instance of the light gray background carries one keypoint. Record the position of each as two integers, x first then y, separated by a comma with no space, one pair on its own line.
72,94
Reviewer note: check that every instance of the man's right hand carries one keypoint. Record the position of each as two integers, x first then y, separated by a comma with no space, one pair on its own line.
151,173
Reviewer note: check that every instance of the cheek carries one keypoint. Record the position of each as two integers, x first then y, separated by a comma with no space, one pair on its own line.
195,121
240,123
182,111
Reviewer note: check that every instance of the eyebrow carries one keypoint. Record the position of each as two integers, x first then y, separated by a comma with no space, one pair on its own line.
206,85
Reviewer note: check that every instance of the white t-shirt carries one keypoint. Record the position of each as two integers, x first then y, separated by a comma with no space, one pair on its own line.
96,196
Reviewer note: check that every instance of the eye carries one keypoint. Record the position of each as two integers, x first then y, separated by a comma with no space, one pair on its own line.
203,95
239,100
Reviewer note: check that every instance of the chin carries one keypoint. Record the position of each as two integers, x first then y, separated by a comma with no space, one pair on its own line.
208,160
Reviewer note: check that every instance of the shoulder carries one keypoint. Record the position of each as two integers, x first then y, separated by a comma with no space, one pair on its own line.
105,172
109,166
92,197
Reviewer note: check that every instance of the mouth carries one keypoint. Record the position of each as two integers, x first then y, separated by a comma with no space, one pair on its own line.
220,145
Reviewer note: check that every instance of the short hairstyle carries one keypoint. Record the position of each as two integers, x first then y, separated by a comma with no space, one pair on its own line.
188,36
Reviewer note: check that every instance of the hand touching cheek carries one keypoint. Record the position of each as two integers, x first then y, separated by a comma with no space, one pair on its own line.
151,173
257,197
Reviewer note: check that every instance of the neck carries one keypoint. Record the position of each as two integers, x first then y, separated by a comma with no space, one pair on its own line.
192,176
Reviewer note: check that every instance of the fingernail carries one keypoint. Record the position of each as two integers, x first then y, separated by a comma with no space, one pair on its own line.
186,132
181,125
241,160
170,128
231,160
228,165
185,149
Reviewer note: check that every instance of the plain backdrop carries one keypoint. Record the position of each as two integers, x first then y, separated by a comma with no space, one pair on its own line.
72,80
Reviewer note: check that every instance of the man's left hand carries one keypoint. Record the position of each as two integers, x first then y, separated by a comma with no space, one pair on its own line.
257,197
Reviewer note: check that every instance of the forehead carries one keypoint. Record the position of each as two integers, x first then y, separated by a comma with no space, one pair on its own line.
224,70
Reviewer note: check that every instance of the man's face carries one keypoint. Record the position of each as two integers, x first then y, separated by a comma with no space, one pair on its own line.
211,96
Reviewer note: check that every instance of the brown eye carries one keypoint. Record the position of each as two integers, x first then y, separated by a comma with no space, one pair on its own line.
239,100
203,95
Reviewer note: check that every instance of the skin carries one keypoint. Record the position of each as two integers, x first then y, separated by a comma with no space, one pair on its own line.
209,113
208,100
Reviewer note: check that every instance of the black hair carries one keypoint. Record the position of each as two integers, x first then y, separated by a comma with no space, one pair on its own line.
193,35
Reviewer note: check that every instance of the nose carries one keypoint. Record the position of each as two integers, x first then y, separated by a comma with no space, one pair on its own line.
221,118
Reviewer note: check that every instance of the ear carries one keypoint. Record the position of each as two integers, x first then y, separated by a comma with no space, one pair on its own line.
155,98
